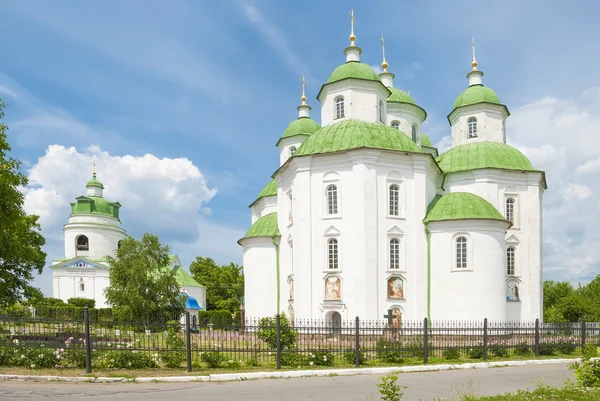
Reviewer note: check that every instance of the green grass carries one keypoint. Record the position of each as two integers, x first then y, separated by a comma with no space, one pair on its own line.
568,393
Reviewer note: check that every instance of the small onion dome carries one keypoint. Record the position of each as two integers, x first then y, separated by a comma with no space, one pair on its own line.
355,134
301,126
399,96
266,226
268,190
94,183
480,155
461,206
353,69
425,141
476,94
192,303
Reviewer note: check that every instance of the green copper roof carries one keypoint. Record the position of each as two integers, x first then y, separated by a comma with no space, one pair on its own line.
399,96
354,134
95,205
184,279
461,206
94,183
301,126
478,155
476,94
425,141
266,226
353,69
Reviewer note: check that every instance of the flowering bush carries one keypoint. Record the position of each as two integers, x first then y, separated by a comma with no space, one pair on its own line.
320,358
212,359
174,357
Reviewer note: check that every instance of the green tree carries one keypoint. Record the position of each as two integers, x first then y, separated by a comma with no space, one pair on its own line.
554,291
224,284
142,281
20,239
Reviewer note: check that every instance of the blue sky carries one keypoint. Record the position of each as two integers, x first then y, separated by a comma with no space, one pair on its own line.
191,96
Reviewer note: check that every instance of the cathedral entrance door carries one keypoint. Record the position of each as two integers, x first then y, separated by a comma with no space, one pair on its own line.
336,323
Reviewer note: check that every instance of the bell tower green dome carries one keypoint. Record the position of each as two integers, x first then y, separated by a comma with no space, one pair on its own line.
476,94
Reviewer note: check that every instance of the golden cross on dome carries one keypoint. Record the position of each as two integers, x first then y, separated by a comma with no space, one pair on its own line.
474,63
384,63
304,85
353,21
94,164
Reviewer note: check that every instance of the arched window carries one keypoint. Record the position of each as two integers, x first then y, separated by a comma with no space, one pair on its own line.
381,112
339,107
472,123
81,285
332,253
83,243
461,252
510,210
291,200
396,124
414,133
332,199
510,261
394,200
394,254
292,150
119,244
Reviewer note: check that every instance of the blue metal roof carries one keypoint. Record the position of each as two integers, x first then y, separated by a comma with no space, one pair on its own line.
191,303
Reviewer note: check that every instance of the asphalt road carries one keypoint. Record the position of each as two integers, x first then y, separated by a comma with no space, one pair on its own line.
420,386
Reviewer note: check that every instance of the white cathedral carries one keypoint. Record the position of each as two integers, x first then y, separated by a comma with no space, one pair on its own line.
363,216
92,233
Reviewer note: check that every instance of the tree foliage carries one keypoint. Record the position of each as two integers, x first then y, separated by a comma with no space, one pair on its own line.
563,303
224,284
20,239
142,281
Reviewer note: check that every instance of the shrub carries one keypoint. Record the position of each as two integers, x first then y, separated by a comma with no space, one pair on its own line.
389,389
268,333
174,357
82,302
127,360
349,357
174,325
253,361
566,347
499,351
452,353
292,358
388,351
523,349
587,372
590,351
475,352
212,359
547,349
215,317
320,358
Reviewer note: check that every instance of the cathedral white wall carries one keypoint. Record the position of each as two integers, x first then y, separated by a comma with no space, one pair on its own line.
259,262
265,205
407,117
474,293
361,101
103,238
287,145
496,186
66,284
490,124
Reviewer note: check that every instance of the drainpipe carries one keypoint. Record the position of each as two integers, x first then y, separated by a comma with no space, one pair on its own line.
428,234
277,269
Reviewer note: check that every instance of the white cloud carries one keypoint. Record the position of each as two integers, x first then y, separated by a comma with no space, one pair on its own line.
168,197
577,192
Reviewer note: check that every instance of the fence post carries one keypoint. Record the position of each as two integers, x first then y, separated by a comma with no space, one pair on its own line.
188,341
88,350
485,339
357,341
278,339
537,337
425,341
583,335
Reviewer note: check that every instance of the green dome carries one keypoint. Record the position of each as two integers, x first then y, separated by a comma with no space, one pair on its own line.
354,134
301,126
399,96
461,206
95,205
476,94
425,141
353,69
266,226
94,183
478,155
268,190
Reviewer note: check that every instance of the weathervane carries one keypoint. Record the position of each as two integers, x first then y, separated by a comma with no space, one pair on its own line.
384,63
304,85
474,63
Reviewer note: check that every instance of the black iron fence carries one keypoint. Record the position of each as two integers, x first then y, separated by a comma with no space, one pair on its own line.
84,340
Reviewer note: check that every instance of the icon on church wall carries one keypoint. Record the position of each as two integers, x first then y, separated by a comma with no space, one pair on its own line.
395,288
512,291
333,286
397,319
291,283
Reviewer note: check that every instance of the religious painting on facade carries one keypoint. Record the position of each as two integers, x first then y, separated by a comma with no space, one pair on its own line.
395,288
397,319
512,291
333,289
291,283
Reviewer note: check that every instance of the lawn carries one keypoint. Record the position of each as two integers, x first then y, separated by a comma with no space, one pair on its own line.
568,393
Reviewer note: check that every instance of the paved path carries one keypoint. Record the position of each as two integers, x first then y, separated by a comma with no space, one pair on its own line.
421,386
